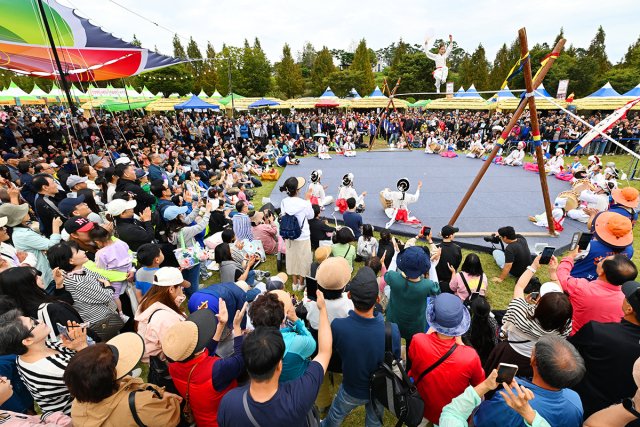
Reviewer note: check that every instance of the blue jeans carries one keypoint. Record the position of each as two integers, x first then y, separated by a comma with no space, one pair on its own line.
394,137
342,405
498,255
251,278
192,275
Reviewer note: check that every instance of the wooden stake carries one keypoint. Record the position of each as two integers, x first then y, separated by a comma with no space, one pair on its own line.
505,134
384,113
535,129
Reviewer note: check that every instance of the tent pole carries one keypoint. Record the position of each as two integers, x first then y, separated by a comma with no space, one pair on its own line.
231,88
127,93
63,79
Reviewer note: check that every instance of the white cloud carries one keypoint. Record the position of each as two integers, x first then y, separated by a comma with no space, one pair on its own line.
335,23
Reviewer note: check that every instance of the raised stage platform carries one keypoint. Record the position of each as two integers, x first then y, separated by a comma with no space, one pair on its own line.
505,196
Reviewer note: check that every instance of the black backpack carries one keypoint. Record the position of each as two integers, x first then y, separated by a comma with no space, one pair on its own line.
472,295
396,393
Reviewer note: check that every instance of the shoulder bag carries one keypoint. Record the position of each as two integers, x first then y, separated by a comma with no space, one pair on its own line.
313,417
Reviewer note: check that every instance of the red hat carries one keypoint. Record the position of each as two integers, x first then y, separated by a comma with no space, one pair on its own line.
627,196
614,229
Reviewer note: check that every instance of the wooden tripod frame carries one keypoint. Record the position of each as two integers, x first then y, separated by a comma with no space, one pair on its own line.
384,113
531,86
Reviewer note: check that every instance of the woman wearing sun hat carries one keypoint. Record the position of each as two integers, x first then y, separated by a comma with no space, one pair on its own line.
448,319
625,202
98,378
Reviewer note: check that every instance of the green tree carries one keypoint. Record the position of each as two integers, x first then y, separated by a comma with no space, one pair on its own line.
362,63
398,53
500,68
632,57
196,67
178,50
622,79
597,51
465,77
289,78
322,68
415,70
341,82
136,42
456,56
479,72
345,58
173,79
307,56
255,75
559,37
373,57
209,73
235,54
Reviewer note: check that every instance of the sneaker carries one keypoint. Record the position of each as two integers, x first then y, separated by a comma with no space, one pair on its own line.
124,317
136,373
262,274
295,287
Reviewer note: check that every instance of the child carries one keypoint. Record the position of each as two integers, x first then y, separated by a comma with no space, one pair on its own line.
346,191
367,244
341,247
242,195
113,255
150,256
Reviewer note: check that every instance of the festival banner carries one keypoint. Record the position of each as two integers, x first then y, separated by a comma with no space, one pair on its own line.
449,89
562,89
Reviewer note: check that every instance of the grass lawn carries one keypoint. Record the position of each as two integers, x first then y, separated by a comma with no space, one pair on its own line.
498,294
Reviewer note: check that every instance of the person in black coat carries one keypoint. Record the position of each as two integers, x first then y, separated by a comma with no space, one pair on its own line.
131,231
126,183
219,219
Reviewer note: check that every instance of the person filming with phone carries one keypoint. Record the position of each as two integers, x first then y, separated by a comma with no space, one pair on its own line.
515,258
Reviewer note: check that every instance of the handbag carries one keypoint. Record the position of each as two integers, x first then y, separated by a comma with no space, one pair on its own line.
188,257
396,393
108,327
187,413
313,417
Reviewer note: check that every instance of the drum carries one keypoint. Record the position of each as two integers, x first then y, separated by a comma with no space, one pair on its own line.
386,203
579,185
572,199
435,147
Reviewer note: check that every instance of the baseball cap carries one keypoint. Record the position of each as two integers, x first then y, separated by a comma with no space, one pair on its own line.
141,173
448,230
74,180
277,282
9,156
167,276
172,212
549,287
123,160
117,206
413,262
364,287
68,205
184,339
629,290
78,223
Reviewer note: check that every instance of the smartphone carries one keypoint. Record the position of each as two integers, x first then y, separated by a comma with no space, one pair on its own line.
63,331
575,239
312,287
534,296
506,373
205,304
547,253
585,239
425,231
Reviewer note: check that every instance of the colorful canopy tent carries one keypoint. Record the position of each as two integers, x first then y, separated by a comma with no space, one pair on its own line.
227,99
37,91
99,103
263,103
377,93
633,93
86,51
13,91
242,103
542,91
421,103
505,93
202,95
472,102
327,103
195,103
216,95
541,104
132,92
353,94
460,93
145,93
471,93
76,92
328,93
174,95
605,91
309,103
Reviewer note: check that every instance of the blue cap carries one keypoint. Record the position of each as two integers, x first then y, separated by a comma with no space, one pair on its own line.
68,205
414,262
172,212
252,294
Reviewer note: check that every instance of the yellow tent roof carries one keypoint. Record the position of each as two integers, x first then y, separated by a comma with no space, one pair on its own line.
541,104
310,103
603,103
459,103
164,104
376,103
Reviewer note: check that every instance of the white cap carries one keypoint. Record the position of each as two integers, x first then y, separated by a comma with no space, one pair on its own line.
168,276
549,287
123,160
117,206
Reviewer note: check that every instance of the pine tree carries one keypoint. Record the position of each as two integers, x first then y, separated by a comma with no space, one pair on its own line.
500,68
632,57
307,56
260,81
196,67
135,41
210,76
289,76
558,38
362,63
400,50
481,68
465,73
322,68
178,50
236,65
598,52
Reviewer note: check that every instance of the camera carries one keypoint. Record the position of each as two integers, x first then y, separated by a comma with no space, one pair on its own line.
494,239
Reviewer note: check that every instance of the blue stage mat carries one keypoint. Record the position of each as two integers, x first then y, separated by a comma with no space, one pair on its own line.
505,196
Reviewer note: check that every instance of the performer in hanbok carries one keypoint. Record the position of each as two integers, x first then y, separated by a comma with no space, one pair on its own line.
571,169
595,175
556,163
593,196
566,201
476,148
516,158
317,190
347,191
440,58
349,148
433,144
449,149
323,150
395,203
594,161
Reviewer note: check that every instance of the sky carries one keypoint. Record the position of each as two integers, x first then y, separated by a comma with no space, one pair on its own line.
336,23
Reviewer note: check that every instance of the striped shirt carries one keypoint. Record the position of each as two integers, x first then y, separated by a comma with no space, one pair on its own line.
242,227
44,380
93,301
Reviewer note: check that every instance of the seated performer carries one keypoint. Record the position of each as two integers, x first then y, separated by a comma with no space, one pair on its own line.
323,150
347,191
317,190
476,148
566,201
433,144
594,196
516,157
449,149
556,163
395,203
349,148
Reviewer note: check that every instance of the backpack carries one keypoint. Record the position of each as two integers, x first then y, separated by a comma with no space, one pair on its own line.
396,393
290,229
472,295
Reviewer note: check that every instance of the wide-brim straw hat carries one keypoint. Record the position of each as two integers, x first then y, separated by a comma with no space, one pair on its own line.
572,199
334,273
127,349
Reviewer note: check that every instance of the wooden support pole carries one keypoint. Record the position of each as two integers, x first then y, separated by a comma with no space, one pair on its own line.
384,113
395,109
505,134
535,129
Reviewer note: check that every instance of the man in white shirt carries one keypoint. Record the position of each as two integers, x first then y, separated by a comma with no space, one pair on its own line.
397,202
516,157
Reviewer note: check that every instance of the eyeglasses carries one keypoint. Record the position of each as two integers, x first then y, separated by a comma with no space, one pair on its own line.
36,322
